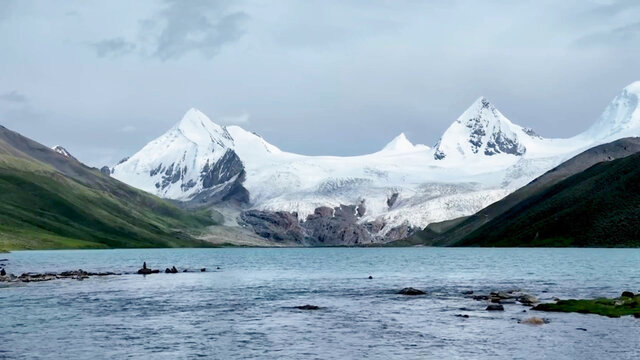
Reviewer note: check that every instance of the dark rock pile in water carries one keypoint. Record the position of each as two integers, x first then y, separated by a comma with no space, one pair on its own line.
146,271
411,291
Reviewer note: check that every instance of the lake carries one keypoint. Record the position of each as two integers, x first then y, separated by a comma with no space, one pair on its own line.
244,310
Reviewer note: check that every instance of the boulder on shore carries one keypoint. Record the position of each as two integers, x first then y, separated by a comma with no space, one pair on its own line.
628,294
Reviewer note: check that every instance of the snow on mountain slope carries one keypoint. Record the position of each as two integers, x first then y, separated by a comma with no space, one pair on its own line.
176,164
62,151
479,159
621,117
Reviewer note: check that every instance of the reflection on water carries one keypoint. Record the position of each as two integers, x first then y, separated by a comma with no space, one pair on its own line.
244,310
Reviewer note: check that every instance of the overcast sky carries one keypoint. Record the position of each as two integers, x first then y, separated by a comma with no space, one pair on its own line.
103,78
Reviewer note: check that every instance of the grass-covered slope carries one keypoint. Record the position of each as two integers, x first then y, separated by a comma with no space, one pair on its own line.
599,207
51,201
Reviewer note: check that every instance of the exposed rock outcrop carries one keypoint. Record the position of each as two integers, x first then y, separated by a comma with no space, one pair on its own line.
279,226
327,226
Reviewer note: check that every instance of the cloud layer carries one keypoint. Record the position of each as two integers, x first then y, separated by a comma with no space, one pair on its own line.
318,77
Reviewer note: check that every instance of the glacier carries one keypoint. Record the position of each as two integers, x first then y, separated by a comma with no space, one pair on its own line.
478,160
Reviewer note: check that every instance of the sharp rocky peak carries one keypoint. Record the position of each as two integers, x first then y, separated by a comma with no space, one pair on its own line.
482,130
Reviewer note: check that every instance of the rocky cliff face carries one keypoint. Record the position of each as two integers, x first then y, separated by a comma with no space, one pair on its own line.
341,225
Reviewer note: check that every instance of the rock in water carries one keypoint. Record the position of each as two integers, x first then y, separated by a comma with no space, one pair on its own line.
2,272
203,269
495,307
411,291
308,307
146,271
527,299
370,277
533,321
628,294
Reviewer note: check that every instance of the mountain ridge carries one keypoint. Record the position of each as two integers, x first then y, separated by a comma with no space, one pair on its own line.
481,158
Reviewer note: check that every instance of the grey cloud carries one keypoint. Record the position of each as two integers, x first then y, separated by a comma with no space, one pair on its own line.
201,26
14,97
619,36
113,47
614,8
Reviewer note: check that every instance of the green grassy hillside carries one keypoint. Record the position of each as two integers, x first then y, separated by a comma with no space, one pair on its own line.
599,207
64,204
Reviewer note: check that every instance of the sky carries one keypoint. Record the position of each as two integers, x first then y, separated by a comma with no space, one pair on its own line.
103,78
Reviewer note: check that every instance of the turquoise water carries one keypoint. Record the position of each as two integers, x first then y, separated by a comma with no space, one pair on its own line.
244,309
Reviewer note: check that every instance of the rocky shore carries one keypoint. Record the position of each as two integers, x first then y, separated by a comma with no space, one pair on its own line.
38,277
81,274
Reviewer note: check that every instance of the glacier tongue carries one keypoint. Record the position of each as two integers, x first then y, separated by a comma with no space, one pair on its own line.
479,159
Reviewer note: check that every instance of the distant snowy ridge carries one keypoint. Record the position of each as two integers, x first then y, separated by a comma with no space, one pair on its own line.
479,159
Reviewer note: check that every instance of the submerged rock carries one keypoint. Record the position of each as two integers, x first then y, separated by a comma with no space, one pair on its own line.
534,321
411,291
308,307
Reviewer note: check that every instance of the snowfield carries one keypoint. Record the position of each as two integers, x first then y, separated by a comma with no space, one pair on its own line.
478,160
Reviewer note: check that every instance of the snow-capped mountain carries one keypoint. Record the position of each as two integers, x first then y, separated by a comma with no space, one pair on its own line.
194,158
479,159
481,130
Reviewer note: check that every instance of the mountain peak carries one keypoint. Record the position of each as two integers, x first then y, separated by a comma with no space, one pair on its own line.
399,143
633,88
197,127
481,129
621,117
